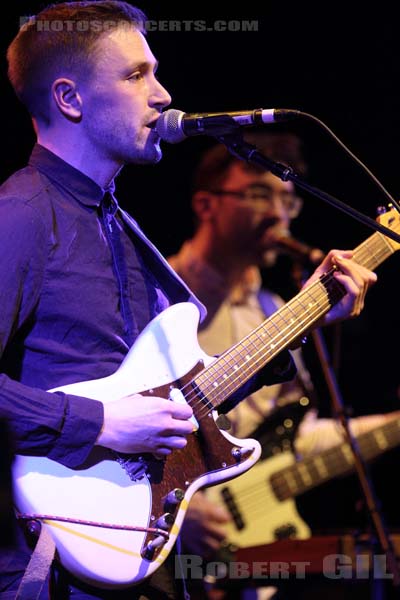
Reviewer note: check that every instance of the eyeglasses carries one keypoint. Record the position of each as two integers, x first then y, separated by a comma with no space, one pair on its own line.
261,196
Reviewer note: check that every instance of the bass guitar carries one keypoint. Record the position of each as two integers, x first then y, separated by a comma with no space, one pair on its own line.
262,501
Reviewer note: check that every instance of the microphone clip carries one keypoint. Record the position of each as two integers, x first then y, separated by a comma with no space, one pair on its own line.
215,125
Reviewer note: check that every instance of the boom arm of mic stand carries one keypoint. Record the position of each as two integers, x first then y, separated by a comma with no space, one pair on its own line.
248,152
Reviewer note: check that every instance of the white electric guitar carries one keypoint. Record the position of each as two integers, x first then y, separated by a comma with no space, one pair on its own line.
262,501
116,518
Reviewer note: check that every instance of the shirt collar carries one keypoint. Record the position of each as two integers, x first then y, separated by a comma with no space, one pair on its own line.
79,185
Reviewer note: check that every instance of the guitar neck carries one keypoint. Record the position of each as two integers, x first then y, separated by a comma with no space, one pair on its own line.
237,365
339,460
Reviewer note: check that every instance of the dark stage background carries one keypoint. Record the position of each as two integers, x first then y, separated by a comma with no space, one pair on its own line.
339,62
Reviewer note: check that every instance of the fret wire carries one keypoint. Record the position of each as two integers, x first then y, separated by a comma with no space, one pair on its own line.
372,260
281,488
212,391
333,462
386,242
237,352
362,254
281,315
265,354
231,359
217,392
376,239
305,306
333,457
381,242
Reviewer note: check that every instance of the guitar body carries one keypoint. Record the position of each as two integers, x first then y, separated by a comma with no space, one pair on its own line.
164,358
131,508
258,515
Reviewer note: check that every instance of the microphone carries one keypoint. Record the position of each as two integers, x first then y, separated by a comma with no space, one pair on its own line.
299,250
174,126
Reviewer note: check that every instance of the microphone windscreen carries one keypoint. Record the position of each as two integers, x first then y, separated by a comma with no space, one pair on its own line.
169,126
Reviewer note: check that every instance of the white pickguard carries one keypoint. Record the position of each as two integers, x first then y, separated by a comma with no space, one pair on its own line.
110,558
263,514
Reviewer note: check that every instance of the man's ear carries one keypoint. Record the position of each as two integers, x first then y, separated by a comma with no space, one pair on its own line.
203,205
67,98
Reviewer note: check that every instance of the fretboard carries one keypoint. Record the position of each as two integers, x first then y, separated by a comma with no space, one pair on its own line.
310,472
237,365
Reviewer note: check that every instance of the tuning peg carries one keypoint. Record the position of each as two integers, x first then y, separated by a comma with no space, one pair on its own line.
396,206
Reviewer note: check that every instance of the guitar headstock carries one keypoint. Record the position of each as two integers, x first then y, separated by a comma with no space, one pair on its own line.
390,218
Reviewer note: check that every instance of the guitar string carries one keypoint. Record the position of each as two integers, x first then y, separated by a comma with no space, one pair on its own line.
262,352
367,446
93,523
48,517
368,252
295,332
53,517
331,462
242,372
206,391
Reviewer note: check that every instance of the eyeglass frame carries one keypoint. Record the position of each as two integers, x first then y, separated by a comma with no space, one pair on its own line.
250,196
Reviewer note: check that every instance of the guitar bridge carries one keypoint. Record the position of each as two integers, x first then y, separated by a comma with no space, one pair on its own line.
135,469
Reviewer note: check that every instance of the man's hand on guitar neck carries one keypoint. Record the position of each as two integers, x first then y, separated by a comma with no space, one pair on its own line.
355,278
139,423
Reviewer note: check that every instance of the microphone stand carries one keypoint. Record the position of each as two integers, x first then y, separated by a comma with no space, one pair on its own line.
245,151
233,140
339,412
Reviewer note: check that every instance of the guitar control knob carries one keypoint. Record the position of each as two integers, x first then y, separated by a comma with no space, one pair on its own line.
33,526
381,210
165,521
151,547
175,496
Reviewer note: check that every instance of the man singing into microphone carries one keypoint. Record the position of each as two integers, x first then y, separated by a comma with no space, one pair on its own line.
242,220
80,280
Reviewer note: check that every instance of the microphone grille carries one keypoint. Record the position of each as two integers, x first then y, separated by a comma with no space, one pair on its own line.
169,126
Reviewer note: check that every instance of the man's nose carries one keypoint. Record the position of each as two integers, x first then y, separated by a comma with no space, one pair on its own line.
275,208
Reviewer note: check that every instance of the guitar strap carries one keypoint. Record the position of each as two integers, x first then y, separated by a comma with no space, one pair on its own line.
38,568
40,562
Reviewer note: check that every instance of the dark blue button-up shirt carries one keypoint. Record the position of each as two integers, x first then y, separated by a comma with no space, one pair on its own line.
79,281
75,292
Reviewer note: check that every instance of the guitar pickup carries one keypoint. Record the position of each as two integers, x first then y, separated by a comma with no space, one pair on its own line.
233,508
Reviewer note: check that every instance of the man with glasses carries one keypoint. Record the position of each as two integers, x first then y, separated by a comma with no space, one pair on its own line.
241,212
